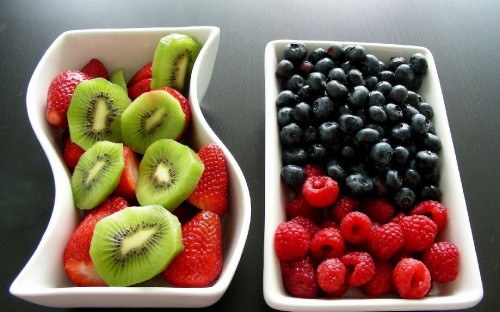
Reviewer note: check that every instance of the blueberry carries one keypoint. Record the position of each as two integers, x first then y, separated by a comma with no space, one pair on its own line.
294,83
356,54
344,109
316,81
336,90
377,114
408,112
381,154
295,52
376,98
384,87
393,180
377,127
427,160
347,66
329,132
317,54
336,52
354,78
400,133
293,175
413,98
350,123
394,63
360,168
336,74
286,98
291,135
316,152
285,116
416,83
370,66
404,75
411,178
404,198
398,94
420,124
432,142
400,156
359,184
419,63
425,109
324,65
294,155
284,69
371,82
358,97
305,93
310,134
348,152
366,137
430,192
302,113
305,68
323,107
386,75
335,171
394,112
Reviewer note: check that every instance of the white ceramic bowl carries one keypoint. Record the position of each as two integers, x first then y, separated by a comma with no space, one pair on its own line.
43,280
464,292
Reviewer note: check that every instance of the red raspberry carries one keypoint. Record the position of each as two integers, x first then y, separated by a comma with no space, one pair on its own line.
310,226
312,170
419,232
299,278
328,223
442,261
385,240
411,278
355,227
320,191
327,243
378,209
339,293
300,207
381,283
398,217
401,254
436,211
360,267
342,207
331,274
291,241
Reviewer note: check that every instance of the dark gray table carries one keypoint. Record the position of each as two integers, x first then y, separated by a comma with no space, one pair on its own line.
464,37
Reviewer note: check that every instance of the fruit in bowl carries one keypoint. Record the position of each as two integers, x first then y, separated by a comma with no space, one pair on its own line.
357,149
111,82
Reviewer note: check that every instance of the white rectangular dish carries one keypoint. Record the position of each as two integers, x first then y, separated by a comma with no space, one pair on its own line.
464,292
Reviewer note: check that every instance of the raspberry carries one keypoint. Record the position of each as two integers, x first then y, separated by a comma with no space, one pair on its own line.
381,283
312,170
342,207
436,211
328,223
320,191
291,241
331,274
355,227
299,207
442,261
299,278
310,226
411,278
360,267
385,240
419,232
327,243
398,217
378,209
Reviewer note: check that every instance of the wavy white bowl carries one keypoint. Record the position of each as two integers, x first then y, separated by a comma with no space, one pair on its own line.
465,291
43,280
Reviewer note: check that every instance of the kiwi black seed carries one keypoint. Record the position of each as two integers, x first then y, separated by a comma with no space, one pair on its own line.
97,174
135,244
168,174
95,110
173,62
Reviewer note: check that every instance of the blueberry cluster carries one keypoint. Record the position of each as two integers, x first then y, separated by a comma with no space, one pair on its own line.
361,119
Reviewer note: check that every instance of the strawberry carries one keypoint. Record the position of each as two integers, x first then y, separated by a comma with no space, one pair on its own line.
71,152
59,96
200,263
139,88
95,69
144,73
126,185
77,262
186,108
212,190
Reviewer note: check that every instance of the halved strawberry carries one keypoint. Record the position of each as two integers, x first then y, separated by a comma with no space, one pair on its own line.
186,108
200,263
139,88
95,69
77,262
59,96
71,152
143,73
211,193
126,185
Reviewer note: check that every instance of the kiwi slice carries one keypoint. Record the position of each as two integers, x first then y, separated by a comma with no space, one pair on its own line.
152,116
168,174
97,174
135,244
94,113
173,62
118,77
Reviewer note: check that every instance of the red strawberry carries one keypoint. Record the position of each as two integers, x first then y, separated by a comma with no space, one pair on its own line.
126,185
59,96
143,73
95,69
139,88
186,108
77,262
212,190
200,263
71,152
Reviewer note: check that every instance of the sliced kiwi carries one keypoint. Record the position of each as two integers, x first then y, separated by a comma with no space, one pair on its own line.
135,244
97,174
173,62
94,113
168,174
118,77
152,116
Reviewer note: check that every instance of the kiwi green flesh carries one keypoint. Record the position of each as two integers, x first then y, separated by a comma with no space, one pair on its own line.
118,77
95,110
168,174
135,244
97,174
154,115
173,62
